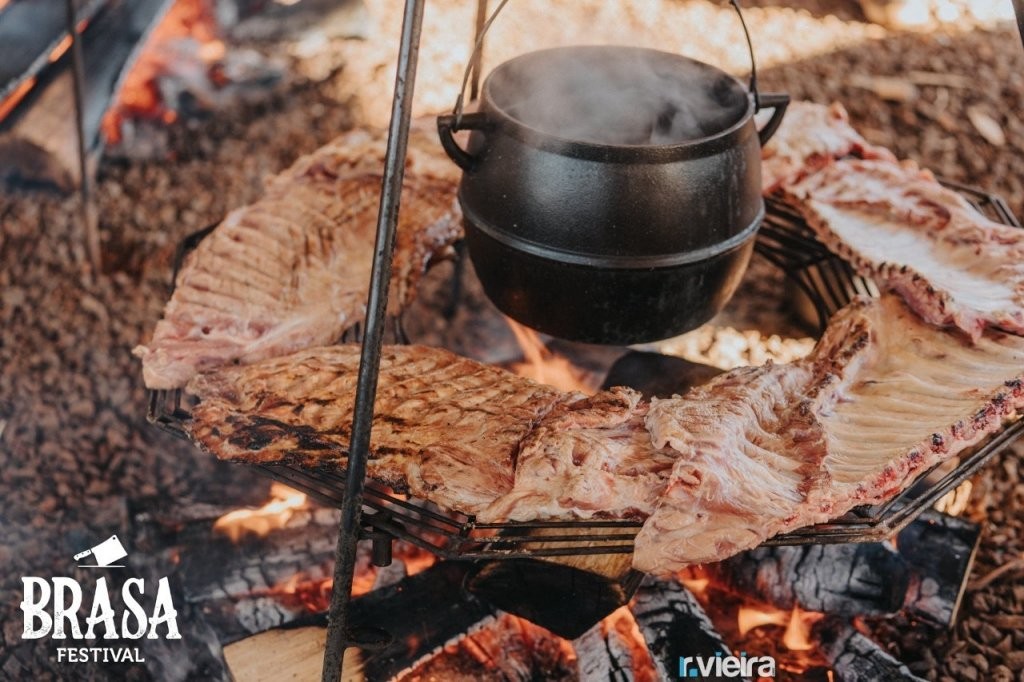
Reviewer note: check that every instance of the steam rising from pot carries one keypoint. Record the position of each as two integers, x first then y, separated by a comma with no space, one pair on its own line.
640,97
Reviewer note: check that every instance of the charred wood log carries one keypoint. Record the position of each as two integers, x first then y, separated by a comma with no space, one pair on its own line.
558,594
604,654
505,648
38,141
30,31
421,614
657,375
940,551
925,574
219,569
855,658
614,650
845,580
197,656
674,626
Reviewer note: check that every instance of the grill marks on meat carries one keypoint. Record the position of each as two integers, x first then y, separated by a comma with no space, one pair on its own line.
291,271
755,452
766,450
811,137
897,224
446,429
587,458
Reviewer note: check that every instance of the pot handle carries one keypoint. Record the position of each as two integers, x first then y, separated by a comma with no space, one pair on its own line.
777,103
473,65
448,125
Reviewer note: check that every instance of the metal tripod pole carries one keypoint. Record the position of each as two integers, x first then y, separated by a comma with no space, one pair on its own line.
339,635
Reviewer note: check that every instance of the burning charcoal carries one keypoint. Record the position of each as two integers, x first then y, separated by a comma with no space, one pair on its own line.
855,658
940,552
39,145
421,613
657,375
562,598
505,648
604,654
674,626
846,579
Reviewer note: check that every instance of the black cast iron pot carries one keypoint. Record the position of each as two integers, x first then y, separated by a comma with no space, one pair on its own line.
617,217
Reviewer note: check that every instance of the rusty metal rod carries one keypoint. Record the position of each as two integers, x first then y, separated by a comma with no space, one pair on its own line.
339,634
478,52
90,228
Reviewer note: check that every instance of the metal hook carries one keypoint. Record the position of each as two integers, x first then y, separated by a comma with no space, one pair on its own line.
753,62
457,109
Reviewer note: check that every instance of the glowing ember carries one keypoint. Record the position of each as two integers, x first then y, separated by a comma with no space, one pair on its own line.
60,48
275,514
12,100
544,366
312,592
186,38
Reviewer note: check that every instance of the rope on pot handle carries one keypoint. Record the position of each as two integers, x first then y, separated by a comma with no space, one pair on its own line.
457,110
753,62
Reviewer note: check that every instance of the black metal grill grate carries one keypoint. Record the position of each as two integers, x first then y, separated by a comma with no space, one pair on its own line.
827,280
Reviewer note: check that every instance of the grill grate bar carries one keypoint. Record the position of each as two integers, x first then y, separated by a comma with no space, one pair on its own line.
787,242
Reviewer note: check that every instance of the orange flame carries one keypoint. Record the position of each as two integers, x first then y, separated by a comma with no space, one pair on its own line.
542,365
140,96
798,631
750,617
797,636
273,515
955,501
622,621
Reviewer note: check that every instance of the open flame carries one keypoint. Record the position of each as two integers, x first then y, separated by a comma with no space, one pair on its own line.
798,623
542,365
955,501
798,631
311,591
275,514
622,621
187,38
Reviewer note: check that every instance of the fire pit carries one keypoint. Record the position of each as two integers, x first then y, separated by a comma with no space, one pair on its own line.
296,553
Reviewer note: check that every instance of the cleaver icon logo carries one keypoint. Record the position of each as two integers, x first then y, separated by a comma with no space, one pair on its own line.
63,608
104,554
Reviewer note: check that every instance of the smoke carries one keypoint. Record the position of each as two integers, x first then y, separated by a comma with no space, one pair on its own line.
617,96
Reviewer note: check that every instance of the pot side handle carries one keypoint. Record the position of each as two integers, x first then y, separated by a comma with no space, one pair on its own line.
450,124
777,103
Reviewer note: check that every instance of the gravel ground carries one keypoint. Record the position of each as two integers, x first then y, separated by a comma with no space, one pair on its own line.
76,453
